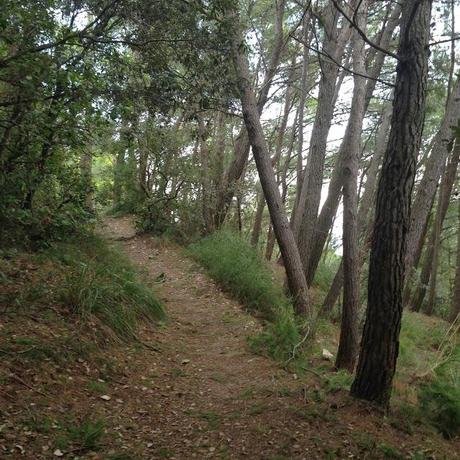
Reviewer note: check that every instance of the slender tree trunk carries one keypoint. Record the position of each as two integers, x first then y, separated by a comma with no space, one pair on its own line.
86,162
348,344
329,209
301,120
258,219
455,308
205,171
309,199
242,143
380,342
282,229
426,190
364,208
429,260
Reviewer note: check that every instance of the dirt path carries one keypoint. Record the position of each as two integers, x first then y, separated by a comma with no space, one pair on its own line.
216,399
196,392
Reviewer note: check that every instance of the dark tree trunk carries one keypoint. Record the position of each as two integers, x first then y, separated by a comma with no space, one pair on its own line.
380,342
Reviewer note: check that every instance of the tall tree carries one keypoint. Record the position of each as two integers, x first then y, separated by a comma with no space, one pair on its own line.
380,341
348,344
455,308
284,235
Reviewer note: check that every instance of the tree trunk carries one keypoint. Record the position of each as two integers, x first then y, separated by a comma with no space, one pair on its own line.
242,143
282,229
348,344
329,209
426,190
86,162
364,208
429,260
380,342
258,219
455,308
309,199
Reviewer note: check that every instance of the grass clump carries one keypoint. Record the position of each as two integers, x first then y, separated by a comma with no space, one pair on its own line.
240,270
439,398
100,283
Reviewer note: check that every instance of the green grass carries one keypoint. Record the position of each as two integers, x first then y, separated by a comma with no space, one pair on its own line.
99,282
240,270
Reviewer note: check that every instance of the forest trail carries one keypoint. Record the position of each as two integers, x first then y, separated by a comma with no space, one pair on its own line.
207,396
217,399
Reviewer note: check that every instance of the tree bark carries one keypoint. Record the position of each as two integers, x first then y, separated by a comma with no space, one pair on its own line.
380,342
429,260
455,308
309,199
285,237
329,209
364,208
348,343
426,190
242,143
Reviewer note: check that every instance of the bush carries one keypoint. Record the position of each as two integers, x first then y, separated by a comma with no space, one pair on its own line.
240,270
100,282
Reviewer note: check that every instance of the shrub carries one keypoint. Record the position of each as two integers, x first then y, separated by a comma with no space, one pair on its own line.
278,338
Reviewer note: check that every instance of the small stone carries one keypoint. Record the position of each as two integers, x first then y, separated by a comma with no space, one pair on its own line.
106,397
58,453
326,354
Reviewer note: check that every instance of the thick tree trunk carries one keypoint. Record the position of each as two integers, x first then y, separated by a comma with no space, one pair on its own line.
242,143
285,237
348,345
380,342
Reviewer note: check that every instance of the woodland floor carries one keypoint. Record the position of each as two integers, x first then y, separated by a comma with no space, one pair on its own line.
201,394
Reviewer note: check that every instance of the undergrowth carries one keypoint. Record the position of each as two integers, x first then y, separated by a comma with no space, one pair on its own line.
82,280
100,282
240,270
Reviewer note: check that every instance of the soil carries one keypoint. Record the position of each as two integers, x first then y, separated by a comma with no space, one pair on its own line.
195,391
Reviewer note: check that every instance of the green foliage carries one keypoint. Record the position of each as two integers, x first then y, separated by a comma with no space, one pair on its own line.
88,433
100,282
240,270
440,398
278,338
